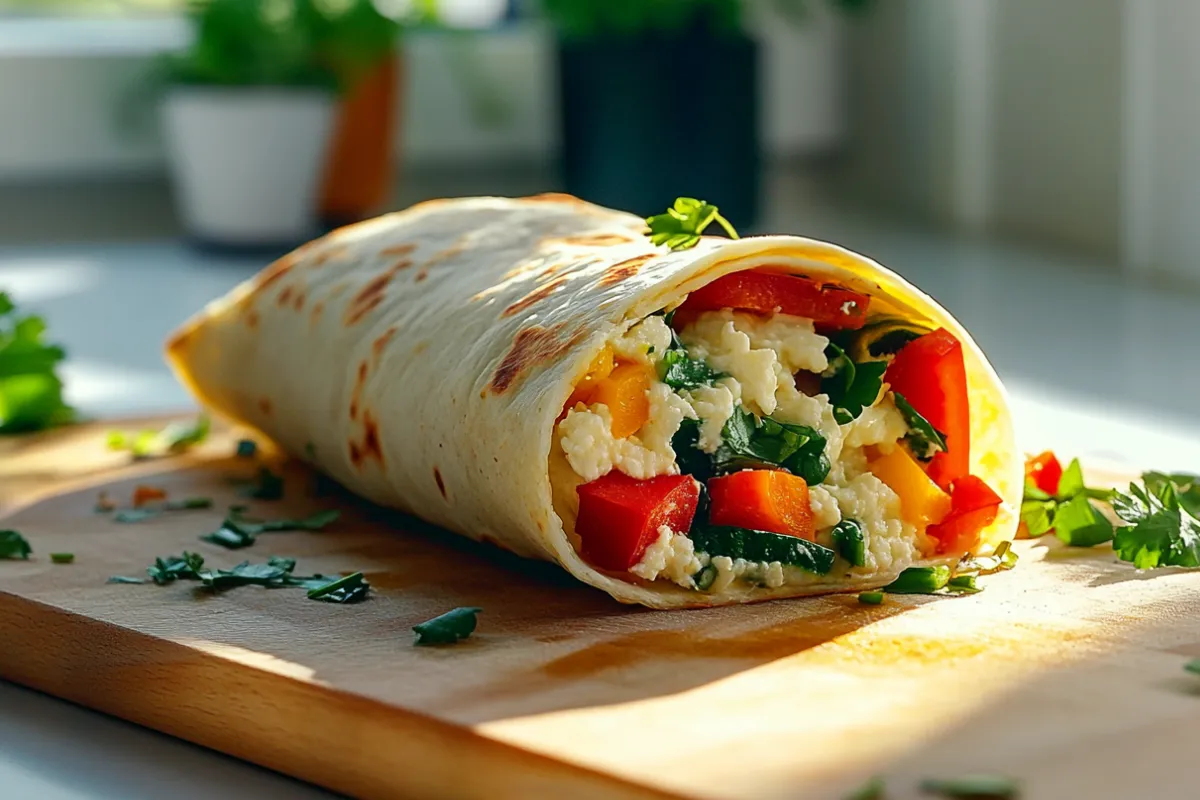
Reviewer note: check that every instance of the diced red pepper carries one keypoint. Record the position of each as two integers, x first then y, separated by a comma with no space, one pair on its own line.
1044,471
147,494
762,500
619,516
973,506
829,306
929,371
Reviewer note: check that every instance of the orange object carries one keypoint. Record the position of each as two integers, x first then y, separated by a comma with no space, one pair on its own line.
762,500
974,506
922,502
360,164
147,494
1044,471
626,392
601,367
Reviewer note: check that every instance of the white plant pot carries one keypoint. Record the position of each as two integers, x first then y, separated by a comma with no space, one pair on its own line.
246,163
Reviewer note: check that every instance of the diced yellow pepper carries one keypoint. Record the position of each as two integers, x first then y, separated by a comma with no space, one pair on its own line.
601,367
626,392
922,502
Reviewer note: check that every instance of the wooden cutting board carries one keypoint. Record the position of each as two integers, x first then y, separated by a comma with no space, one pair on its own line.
1065,674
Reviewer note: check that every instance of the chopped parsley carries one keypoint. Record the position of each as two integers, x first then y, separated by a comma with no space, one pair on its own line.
350,589
13,545
31,393
925,440
125,579
175,438
237,531
871,598
1158,530
275,573
851,386
874,788
62,558
268,487
447,628
1071,513
246,448
681,226
1193,666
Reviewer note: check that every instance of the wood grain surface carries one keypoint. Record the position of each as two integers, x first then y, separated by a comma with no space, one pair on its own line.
1065,674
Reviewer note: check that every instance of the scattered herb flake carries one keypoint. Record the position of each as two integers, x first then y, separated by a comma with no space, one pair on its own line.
681,226
12,544
175,438
350,589
125,579
925,440
871,598
1193,666
31,394
872,789
974,787
268,487
238,531
246,448
62,558
136,514
447,628
167,570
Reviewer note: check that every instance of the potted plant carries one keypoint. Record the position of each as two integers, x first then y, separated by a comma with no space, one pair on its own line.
660,98
259,145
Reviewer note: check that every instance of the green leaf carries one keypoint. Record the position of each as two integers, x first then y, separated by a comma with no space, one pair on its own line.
851,387
974,787
1071,483
1038,516
31,396
350,589
925,440
1078,523
681,226
269,486
688,455
132,515
1193,666
1187,487
874,788
871,598
173,439
62,558
167,570
963,584
679,371
13,545
237,531
849,541
1159,531
448,628
753,443
920,580
124,579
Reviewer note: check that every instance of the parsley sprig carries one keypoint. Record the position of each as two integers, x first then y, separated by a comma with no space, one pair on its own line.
31,393
1070,513
681,226
1159,531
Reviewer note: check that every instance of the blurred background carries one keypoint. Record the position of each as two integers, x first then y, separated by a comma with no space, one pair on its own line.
1031,163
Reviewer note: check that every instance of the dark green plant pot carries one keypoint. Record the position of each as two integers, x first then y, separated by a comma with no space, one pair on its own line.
649,119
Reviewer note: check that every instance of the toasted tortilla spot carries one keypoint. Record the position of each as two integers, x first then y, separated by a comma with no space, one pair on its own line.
318,307
595,240
437,476
531,348
360,383
398,250
381,342
327,255
485,539
298,304
371,295
540,293
422,275
284,296
625,269
370,448
252,318
264,405
277,270
420,348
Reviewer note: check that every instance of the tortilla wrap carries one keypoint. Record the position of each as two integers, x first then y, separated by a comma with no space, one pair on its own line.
422,359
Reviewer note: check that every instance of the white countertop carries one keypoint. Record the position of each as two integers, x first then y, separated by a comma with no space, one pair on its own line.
1097,367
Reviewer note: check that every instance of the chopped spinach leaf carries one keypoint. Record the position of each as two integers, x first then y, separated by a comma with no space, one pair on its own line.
851,387
167,570
850,542
691,459
447,628
764,546
752,443
679,371
246,448
925,440
12,544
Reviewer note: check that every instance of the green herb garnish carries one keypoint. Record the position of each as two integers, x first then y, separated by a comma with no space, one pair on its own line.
1003,558
237,531
350,589
268,487
850,542
975,787
1071,514
871,598
125,579
752,443
1159,531
62,558
31,394
172,568
246,448
447,628
13,545
920,580
681,226
874,788
851,387
925,440
173,439
1193,666
129,515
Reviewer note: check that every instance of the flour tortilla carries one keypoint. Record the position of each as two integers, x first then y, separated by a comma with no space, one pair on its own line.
422,359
